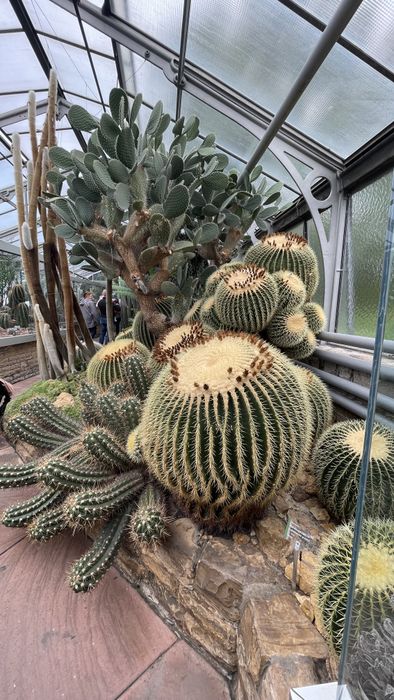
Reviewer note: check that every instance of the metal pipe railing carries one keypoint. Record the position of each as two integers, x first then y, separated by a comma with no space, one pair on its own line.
356,341
358,409
386,372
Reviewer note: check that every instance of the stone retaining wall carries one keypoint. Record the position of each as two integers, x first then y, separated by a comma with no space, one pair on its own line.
18,362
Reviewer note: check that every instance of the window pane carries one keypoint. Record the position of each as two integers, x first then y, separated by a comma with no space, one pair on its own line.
162,20
20,68
363,257
314,242
142,76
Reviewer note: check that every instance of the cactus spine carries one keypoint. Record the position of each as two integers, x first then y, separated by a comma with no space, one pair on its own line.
337,461
47,525
74,475
85,507
21,514
217,276
106,365
148,522
225,426
208,315
246,298
374,579
104,448
315,316
320,402
287,251
173,342
22,427
120,416
87,395
291,290
13,476
287,330
194,312
87,571
303,349
133,447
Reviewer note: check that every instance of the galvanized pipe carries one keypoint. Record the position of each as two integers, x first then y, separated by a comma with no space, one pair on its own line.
358,410
182,55
356,341
323,47
386,372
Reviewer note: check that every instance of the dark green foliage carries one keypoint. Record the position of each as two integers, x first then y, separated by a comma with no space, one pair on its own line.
23,513
89,505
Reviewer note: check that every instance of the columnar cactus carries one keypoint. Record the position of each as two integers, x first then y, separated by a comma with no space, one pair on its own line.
21,514
135,375
18,475
148,522
120,416
337,461
24,428
291,290
246,298
87,571
174,341
87,394
49,417
105,366
287,251
21,314
47,525
374,579
320,402
105,448
225,426
287,330
304,349
16,295
80,473
87,506
315,316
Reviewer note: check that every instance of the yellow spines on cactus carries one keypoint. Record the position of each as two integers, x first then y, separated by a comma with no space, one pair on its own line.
208,314
105,366
246,298
337,462
194,312
287,251
226,425
287,329
173,341
305,348
320,402
374,579
217,276
291,290
315,316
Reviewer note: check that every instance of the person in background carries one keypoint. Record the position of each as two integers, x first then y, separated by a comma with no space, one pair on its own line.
117,314
89,312
102,307
5,396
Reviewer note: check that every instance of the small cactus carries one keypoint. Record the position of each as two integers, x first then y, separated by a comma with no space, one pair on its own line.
246,298
135,376
74,475
287,330
104,448
87,506
87,394
21,314
315,316
320,402
304,349
374,579
106,365
287,251
47,525
87,571
50,418
18,475
148,522
126,334
24,428
291,290
133,447
16,295
21,514
5,321
337,462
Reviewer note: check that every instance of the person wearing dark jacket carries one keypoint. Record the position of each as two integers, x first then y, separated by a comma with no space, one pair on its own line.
89,312
102,307
117,314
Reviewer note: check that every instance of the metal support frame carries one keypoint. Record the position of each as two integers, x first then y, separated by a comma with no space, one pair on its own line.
89,55
356,341
358,409
33,38
332,32
386,372
179,78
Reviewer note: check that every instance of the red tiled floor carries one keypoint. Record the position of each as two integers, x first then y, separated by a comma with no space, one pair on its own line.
179,674
56,644
18,387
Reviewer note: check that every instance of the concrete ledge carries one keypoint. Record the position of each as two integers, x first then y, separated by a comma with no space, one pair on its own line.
6,341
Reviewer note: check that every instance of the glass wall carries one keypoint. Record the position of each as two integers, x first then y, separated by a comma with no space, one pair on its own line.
362,261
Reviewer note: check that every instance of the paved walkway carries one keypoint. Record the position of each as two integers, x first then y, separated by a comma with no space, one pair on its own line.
105,645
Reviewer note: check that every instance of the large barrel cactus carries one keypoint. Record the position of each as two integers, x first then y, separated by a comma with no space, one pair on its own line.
217,276
315,316
287,330
374,579
337,461
208,314
287,251
246,298
173,341
225,426
291,290
16,295
320,402
305,348
105,367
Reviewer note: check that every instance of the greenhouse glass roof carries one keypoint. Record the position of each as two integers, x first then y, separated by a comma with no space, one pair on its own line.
238,61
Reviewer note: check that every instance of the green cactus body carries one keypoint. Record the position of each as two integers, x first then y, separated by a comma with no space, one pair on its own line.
141,331
246,298
17,475
21,314
291,290
47,525
320,402
17,295
217,276
118,390
87,571
104,448
374,579
287,251
22,427
21,514
225,426
194,312
135,376
74,475
119,416
49,417
287,330
126,334
337,461
88,396
89,505
148,522
105,366
315,316
304,349
131,413
133,447
174,341
208,315
5,321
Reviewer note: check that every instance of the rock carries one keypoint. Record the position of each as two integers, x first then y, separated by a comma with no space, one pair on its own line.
271,539
306,571
28,453
281,503
64,400
282,674
317,510
241,538
306,605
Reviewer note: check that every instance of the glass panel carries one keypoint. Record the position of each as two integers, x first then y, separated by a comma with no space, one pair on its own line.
371,28
8,102
9,19
25,70
72,67
362,267
6,173
142,76
163,20
326,221
302,168
314,242
272,165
